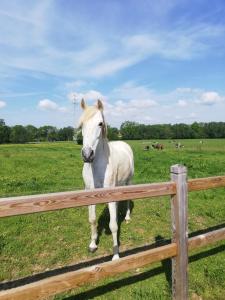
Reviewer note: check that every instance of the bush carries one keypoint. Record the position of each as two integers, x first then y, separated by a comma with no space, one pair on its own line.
79,138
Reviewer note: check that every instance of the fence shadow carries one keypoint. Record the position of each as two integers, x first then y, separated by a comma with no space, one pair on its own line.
165,268
202,231
166,263
104,218
101,290
75,267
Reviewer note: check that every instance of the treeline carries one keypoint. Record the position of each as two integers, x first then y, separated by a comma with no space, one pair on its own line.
24,134
128,131
30,133
136,131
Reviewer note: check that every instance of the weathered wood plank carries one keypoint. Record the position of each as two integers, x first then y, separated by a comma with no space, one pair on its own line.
180,233
12,206
206,183
206,239
47,202
67,281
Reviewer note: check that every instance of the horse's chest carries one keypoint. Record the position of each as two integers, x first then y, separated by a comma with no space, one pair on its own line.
94,177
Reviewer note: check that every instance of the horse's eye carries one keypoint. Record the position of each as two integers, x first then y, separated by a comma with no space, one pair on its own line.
100,124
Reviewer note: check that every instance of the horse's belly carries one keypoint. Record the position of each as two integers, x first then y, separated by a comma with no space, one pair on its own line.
122,162
123,174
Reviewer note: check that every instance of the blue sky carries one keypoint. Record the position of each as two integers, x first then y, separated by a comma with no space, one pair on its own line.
149,61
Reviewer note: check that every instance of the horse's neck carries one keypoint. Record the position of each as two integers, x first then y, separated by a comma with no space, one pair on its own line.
102,150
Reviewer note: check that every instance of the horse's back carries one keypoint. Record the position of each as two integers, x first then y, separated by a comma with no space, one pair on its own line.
121,148
121,158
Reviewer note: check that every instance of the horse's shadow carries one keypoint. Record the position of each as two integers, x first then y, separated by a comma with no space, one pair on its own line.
104,218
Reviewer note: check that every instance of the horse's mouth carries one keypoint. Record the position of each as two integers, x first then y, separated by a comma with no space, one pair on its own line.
88,160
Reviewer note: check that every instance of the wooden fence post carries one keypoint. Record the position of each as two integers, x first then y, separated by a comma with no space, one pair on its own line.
179,216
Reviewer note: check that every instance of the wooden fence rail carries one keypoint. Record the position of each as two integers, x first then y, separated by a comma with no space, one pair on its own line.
14,206
177,188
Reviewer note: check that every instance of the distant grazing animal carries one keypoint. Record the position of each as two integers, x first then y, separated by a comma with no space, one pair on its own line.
106,164
200,145
158,146
179,145
146,148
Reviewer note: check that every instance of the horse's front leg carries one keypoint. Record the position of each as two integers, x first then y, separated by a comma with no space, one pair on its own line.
127,217
114,228
92,219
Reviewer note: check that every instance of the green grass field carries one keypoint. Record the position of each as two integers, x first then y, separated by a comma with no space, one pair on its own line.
41,242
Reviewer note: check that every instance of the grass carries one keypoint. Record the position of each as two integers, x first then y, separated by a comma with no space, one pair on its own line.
35,243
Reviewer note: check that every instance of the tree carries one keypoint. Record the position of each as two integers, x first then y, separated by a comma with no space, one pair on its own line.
66,133
183,131
52,134
4,133
32,133
112,133
79,137
198,129
130,130
48,133
18,134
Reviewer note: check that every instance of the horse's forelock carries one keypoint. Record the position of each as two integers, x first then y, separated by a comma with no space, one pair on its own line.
88,113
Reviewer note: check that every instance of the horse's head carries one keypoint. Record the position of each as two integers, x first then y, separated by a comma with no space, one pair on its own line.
93,129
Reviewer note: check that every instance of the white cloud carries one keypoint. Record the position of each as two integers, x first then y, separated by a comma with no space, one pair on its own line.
178,117
184,90
182,103
130,90
32,42
114,65
9,94
142,104
2,104
47,104
50,105
185,118
192,115
63,109
179,44
195,96
210,98
131,102
91,95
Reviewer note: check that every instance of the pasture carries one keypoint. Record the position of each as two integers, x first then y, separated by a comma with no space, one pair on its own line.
35,243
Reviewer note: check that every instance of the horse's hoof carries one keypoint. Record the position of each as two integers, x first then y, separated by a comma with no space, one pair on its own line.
115,257
92,250
127,220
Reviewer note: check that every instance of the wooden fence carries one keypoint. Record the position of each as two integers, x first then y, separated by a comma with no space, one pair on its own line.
177,188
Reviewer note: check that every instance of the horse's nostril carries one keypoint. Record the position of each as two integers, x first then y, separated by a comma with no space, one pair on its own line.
87,154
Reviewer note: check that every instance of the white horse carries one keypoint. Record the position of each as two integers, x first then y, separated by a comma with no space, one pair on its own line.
106,164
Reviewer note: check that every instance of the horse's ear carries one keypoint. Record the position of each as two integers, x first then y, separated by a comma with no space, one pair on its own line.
99,105
83,104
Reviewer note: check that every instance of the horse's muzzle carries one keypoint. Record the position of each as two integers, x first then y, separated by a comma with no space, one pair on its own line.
87,154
